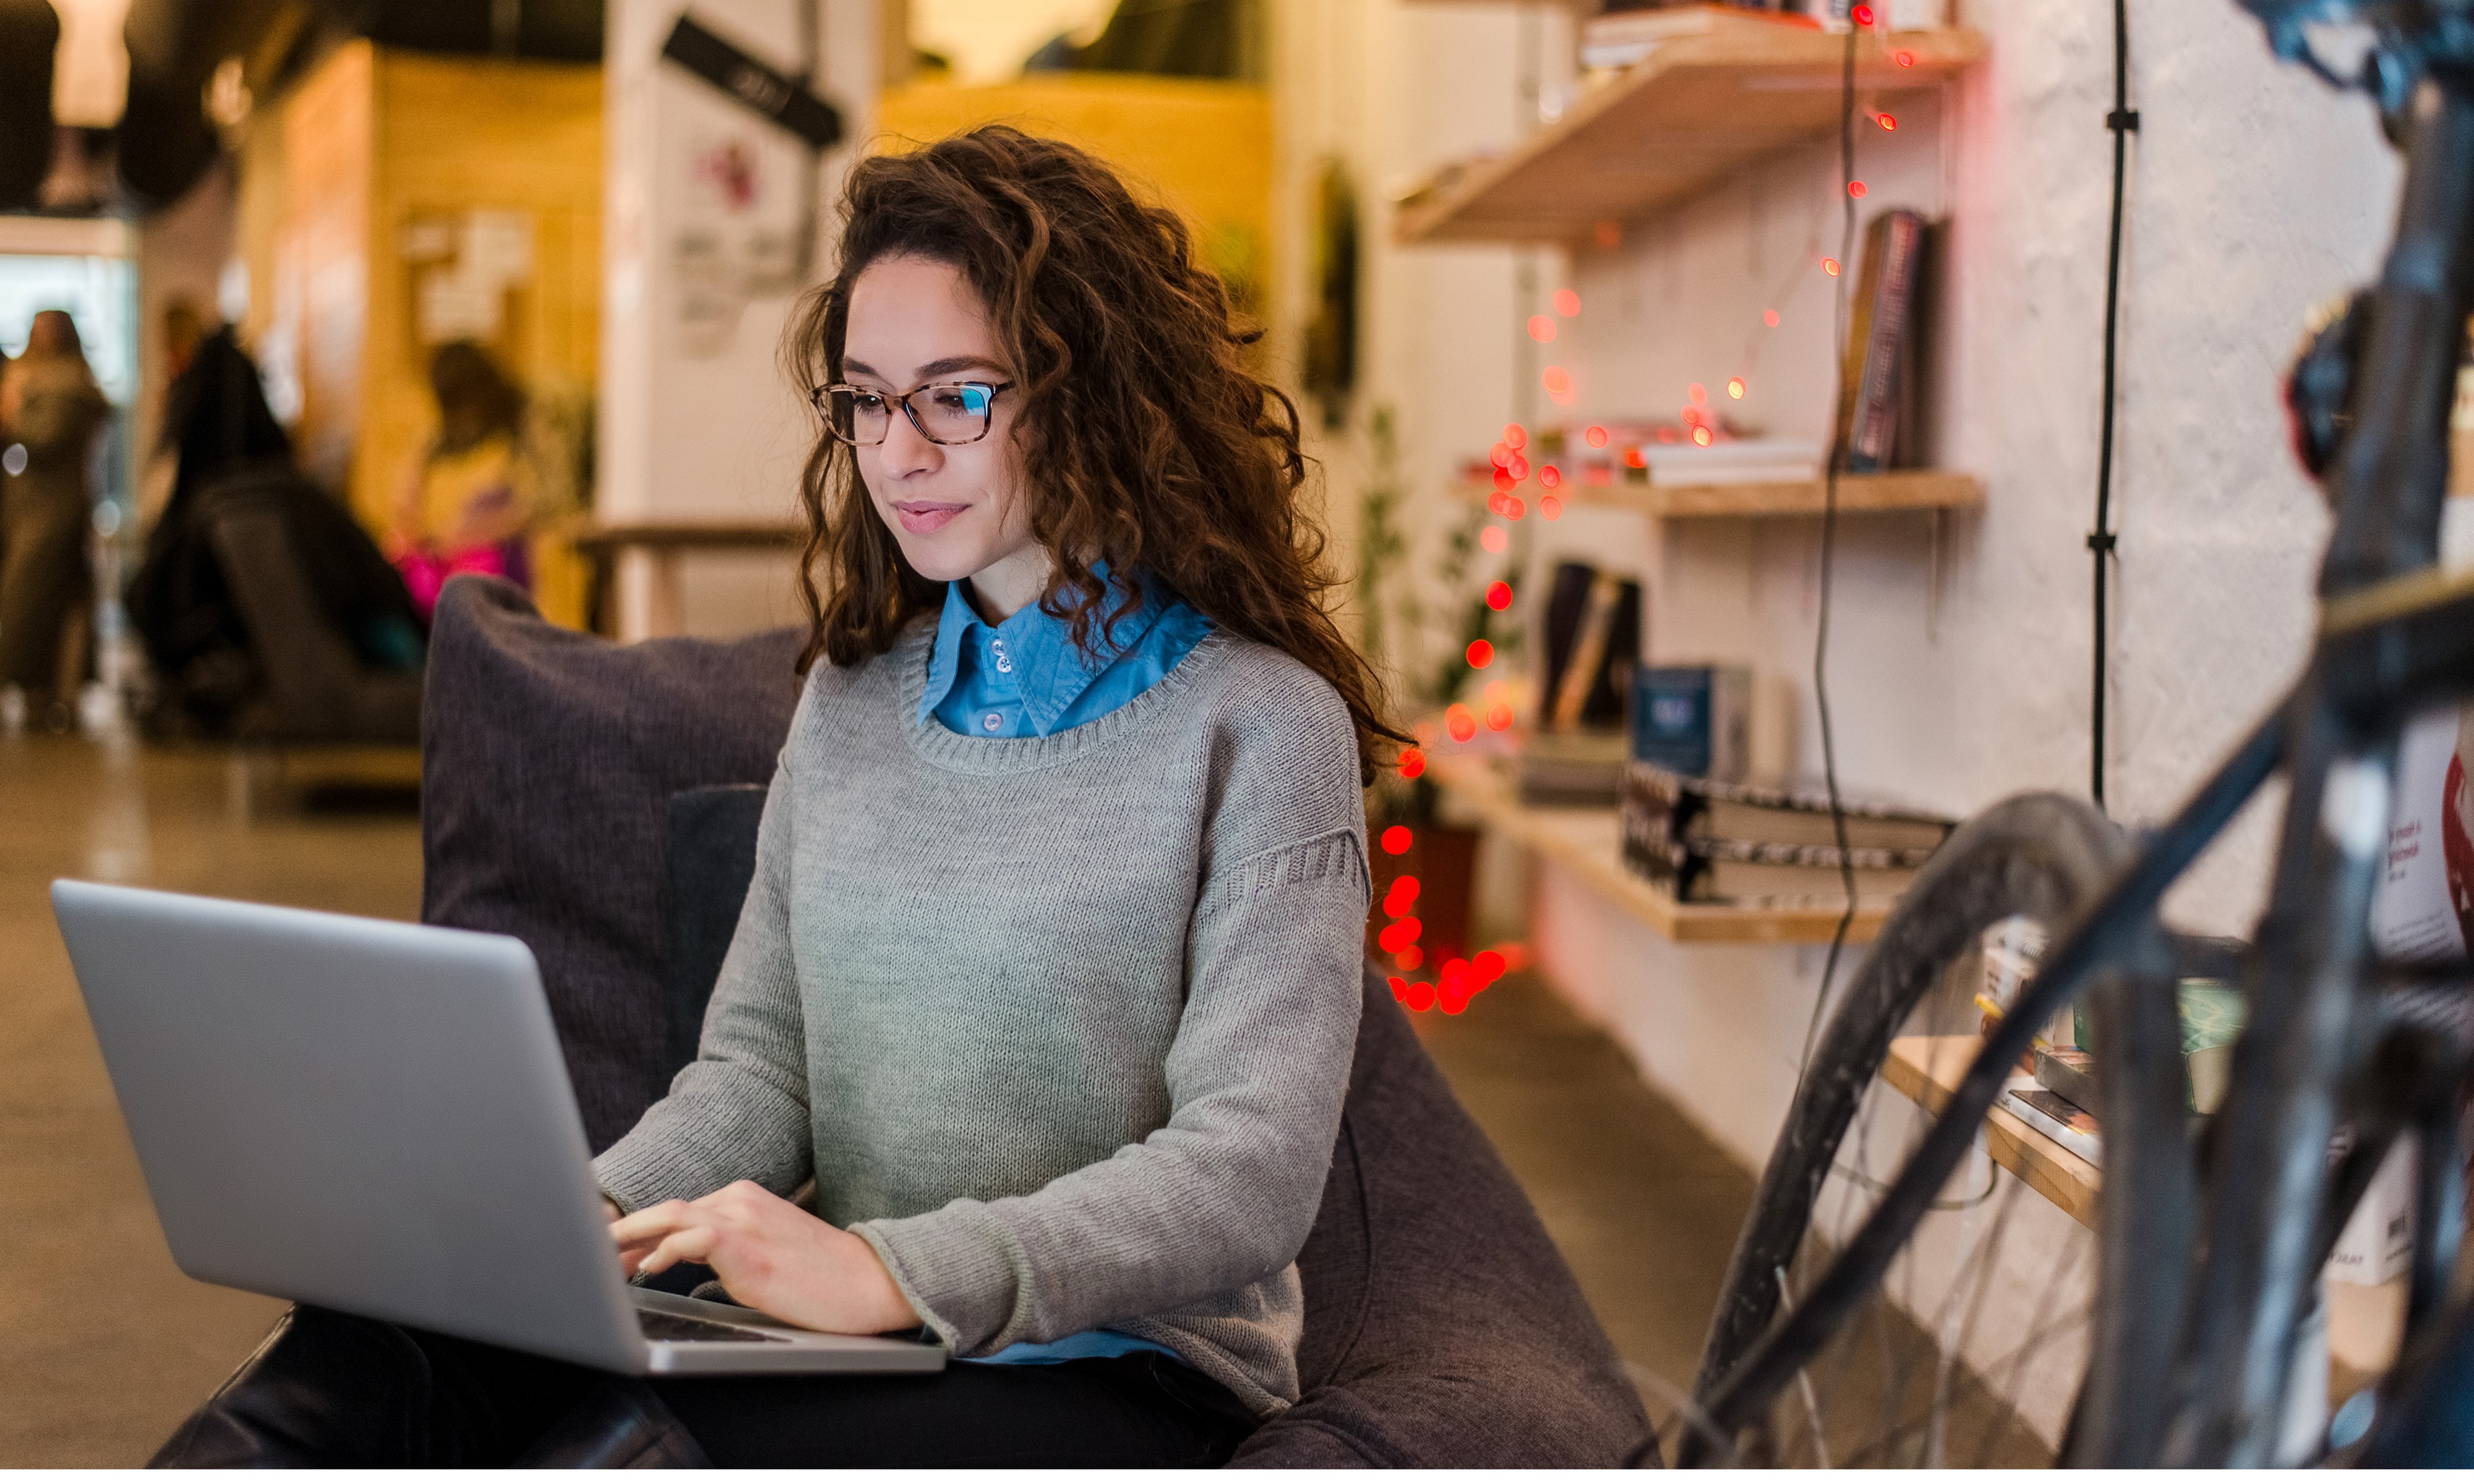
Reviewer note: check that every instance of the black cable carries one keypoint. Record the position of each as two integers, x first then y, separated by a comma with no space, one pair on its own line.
1829,543
2100,540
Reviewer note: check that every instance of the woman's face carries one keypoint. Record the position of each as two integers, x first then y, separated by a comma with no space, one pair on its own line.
958,509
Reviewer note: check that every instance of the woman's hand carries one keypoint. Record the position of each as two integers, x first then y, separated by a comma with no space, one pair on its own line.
772,1257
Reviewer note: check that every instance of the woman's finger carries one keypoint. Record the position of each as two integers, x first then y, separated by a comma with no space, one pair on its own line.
691,1244
651,1223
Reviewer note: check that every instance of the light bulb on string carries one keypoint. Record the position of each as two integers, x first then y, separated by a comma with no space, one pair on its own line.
1541,329
1856,188
1769,317
1830,266
1736,387
1702,436
1888,124
1515,436
1567,302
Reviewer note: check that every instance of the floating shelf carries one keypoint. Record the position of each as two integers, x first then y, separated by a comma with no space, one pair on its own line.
1696,111
1904,490
1928,1069
1588,843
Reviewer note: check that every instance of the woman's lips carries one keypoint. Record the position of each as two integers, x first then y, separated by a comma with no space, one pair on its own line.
921,517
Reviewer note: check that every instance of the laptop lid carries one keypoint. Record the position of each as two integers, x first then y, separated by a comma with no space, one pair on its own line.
372,1117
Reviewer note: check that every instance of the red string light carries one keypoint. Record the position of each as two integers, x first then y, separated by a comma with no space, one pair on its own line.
1412,763
1863,16
1904,59
1402,896
1830,266
1769,317
1557,381
1515,436
1480,654
1549,507
1493,539
1699,393
1888,124
1702,436
1517,468
1567,302
1541,329
1498,597
1736,387
1463,726
1549,476
1856,188
1498,717
1595,438
1396,840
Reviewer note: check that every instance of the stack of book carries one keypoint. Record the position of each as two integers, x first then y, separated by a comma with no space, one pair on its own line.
1767,844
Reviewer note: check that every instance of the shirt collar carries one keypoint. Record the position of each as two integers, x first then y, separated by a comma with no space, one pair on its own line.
1055,670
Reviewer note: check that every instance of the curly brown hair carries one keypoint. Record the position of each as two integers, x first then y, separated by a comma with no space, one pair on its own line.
1146,441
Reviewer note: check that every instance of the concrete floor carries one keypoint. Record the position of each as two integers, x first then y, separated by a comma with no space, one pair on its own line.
104,1345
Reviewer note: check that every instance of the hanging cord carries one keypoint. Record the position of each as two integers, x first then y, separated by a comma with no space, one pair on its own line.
2123,122
1829,541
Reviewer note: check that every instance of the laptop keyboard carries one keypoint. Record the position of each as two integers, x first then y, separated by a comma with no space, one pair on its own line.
659,1326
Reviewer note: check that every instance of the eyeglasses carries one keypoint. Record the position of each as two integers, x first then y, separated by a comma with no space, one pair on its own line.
944,412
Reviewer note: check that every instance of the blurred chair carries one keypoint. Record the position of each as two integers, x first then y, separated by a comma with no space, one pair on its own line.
599,803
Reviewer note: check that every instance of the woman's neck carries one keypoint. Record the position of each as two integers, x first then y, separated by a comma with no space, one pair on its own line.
1008,584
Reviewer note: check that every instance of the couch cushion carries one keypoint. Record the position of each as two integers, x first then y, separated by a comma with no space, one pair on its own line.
1442,1329
548,759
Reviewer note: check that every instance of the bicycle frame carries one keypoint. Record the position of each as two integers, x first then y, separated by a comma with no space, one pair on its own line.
2395,638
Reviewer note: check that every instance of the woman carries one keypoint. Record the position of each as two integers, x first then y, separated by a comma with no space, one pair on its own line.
52,413
1048,980
465,505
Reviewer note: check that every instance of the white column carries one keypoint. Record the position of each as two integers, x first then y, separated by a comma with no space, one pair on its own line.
701,221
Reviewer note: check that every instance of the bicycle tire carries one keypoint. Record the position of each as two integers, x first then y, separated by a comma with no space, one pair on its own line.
2044,855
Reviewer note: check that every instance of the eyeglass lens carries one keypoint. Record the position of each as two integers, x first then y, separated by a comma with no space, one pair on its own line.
947,413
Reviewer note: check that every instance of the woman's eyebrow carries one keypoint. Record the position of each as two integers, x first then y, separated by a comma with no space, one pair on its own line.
929,371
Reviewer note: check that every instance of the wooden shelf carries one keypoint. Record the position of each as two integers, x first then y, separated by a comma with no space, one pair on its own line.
1857,494
1697,110
1588,843
1928,1069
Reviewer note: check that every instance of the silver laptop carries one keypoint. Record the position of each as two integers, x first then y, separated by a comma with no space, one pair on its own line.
374,1117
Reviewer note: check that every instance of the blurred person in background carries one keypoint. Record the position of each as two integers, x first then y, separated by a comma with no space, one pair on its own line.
52,413
467,505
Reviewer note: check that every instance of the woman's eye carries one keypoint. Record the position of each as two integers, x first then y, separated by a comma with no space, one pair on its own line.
866,401
954,400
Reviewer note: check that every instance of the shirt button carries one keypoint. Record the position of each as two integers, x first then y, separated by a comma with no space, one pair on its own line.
993,722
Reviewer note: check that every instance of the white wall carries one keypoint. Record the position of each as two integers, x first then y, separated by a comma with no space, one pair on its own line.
698,421
1960,658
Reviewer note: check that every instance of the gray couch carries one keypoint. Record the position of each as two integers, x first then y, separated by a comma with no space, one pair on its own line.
598,801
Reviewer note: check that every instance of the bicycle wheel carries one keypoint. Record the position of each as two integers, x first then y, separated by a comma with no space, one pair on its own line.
1973,1348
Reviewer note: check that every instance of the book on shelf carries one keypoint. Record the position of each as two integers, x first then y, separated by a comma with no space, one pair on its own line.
1748,873
1620,38
1696,720
1734,461
2056,1117
1572,769
1593,642
1779,811
1873,378
1770,844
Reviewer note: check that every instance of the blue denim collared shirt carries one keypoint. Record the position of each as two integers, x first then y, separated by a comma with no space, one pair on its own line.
1027,677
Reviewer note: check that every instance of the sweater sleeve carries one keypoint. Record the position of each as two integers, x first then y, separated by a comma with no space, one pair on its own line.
740,1110
1225,1193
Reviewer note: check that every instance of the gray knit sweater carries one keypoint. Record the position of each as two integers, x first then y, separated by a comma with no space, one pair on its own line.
1059,1024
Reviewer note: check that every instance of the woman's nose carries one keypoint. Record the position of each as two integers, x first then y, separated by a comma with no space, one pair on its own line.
907,451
